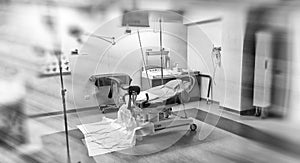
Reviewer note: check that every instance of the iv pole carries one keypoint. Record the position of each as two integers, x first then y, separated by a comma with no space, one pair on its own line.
161,53
50,23
58,53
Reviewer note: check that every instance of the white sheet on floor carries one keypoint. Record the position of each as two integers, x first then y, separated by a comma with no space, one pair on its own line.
106,136
110,135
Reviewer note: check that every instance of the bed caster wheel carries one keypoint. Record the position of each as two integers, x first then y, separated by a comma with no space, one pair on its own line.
193,127
101,109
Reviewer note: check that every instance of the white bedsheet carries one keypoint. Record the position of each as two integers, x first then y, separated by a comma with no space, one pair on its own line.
110,135
106,136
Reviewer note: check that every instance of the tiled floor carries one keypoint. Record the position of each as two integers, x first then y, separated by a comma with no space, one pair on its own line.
232,148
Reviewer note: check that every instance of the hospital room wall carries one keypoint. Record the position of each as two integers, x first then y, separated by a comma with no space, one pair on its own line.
126,52
124,57
233,32
199,55
294,103
227,90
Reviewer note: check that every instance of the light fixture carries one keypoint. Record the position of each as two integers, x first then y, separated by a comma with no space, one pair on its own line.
128,30
78,33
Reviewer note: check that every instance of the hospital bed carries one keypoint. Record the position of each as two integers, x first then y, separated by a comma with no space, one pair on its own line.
155,113
155,116
105,90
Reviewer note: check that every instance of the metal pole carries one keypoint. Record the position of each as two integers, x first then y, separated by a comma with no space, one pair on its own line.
161,53
63,93
143,58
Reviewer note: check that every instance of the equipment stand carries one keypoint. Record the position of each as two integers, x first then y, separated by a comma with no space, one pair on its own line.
63,95
161,53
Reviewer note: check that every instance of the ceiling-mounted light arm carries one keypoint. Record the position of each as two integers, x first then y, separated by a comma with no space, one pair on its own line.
104,38
77,33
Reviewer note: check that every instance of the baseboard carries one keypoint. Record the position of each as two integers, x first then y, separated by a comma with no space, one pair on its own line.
245,130
209,100
249,112
192,99
69,111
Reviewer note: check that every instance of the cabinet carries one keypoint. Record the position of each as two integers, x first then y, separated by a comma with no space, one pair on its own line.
263,70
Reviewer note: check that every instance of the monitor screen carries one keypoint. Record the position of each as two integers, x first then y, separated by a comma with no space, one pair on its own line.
135,18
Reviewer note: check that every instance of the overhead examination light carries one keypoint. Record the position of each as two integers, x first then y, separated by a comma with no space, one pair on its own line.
78,33
135,18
